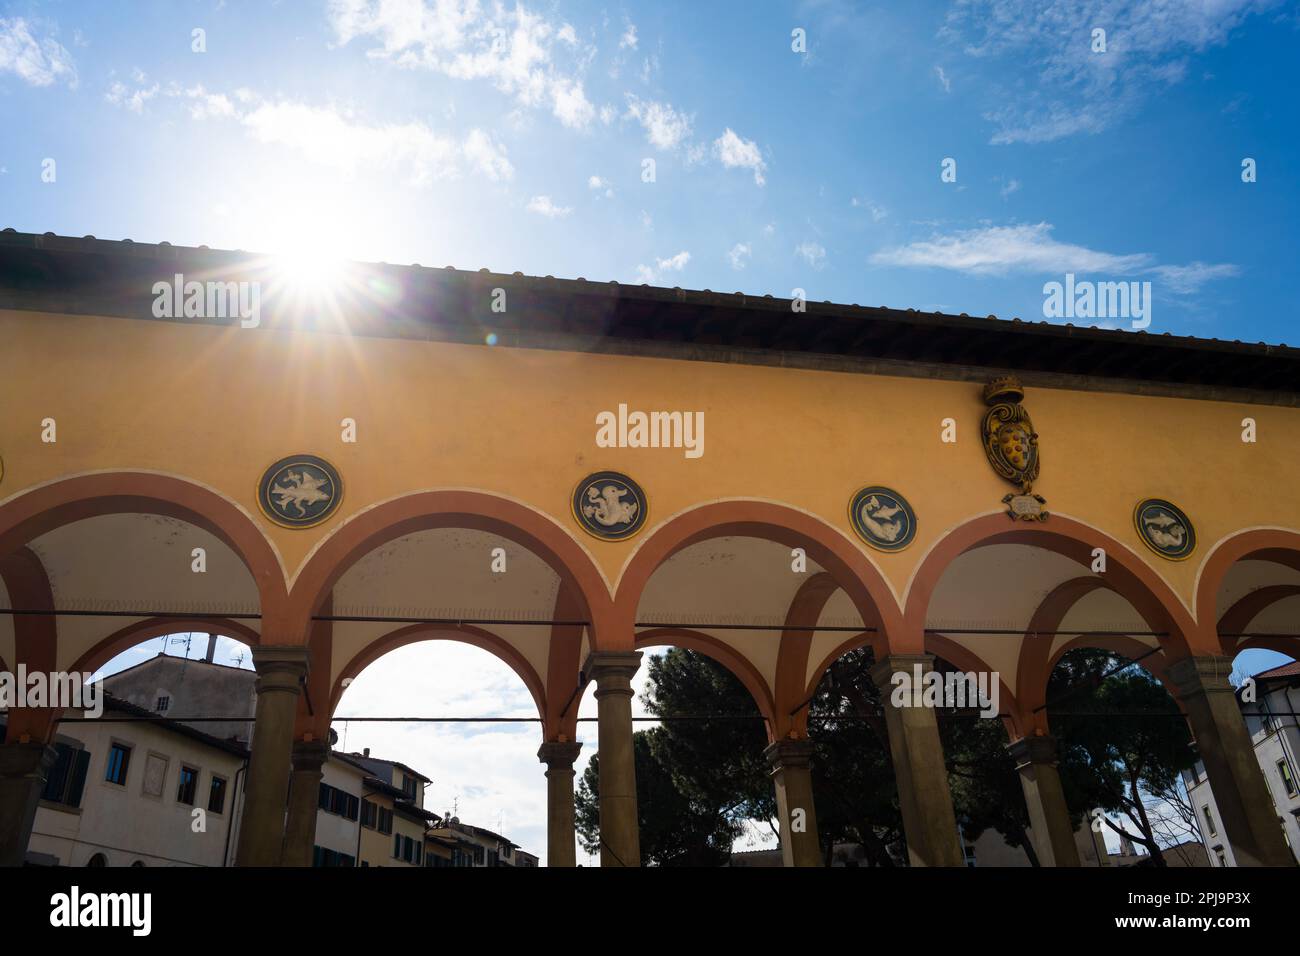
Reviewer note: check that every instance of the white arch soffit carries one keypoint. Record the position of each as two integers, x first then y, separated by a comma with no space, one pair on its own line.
949,530
477,491
646,536
1209,553
162,474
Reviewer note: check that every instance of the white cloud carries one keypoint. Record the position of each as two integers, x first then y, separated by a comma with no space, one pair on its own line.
1190,278
335,137
878,212
543,206
999,250
37,60
944,79
769,230
1056,86
743,153
665,128
811,252
521,53
628,40
119,94
672,264
739,255
1012,186
600,185
1003,250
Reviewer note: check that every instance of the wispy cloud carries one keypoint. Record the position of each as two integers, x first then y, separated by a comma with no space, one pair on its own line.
739,255
36,58
1006,250
735,152
665,127
1059,82
543,206
675,263
812,253
524,55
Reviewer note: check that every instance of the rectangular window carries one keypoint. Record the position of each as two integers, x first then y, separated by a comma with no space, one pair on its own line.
188,784
67,778
397,847
324,796
217,795
369,815
1284,771
1209,821
385,820
163,704
119,758
419,849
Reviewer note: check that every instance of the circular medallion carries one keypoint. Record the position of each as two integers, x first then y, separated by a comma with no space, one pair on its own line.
609,505
1164,529
300,491
882,518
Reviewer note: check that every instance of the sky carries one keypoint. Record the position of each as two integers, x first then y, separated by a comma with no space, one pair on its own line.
762,147
794,145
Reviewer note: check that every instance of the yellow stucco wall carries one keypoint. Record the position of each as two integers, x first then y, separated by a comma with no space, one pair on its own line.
218,405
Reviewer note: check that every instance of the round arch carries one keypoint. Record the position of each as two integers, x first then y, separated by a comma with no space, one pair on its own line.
34,512
848,564
722,653
1277,545
129,636
463,634
1126,573
425,510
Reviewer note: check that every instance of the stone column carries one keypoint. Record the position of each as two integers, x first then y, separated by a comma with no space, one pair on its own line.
620,835
22,778
929,823
792,777
1245,808
304,799
280,673
559,757
1049,818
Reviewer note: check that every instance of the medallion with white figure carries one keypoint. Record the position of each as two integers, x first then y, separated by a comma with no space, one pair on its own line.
300,491
609,505
882,518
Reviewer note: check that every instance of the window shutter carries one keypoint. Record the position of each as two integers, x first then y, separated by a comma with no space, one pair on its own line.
80,764
56,783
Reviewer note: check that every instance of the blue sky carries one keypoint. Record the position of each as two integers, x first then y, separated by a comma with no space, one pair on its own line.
448,132
515,137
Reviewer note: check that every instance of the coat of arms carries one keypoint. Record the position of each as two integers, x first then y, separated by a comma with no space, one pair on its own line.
300,491
1011,445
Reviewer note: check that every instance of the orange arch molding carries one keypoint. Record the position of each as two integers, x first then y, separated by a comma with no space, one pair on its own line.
845,561
725,655
1267,544
30,514
1126,573
465,634
1238,617
425,510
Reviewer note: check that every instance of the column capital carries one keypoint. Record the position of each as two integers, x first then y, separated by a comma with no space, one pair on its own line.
612,670
1034,750
21,760
559,754
790,752
310,755
280,667
883,670
1195,675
